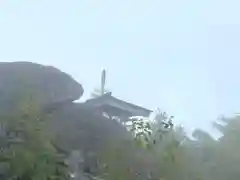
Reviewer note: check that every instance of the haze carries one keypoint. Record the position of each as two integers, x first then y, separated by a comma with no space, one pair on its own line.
180,56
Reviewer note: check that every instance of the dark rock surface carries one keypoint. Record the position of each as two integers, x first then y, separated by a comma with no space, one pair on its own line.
45,84
75,126
72,125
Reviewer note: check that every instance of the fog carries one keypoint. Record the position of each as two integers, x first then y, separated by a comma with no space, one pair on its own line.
178,57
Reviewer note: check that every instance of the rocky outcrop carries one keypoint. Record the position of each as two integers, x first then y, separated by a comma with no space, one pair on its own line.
45,84
73,126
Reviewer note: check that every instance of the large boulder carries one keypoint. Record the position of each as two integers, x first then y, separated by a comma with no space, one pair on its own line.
73,126
76,126
55,91
45,84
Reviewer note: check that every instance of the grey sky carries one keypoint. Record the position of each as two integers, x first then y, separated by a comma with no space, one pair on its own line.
179,55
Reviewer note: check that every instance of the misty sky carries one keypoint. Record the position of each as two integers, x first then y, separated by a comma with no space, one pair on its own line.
179,55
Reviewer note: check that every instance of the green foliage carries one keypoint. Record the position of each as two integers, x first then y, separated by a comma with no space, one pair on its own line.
117,160
159,149
28,153
27,150
148,133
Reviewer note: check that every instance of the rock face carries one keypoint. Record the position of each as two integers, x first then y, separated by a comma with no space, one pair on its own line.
46,84
73,125
77,127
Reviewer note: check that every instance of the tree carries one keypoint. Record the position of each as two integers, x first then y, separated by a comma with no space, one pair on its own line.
28,151
147,132
227,157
